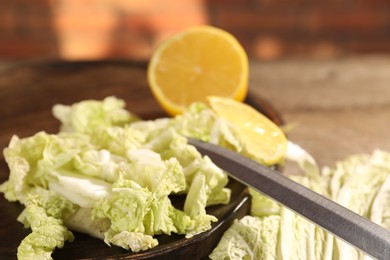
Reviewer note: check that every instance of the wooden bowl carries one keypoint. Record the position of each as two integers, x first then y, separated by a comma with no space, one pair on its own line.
27,93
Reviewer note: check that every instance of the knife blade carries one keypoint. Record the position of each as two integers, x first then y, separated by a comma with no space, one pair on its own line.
338,220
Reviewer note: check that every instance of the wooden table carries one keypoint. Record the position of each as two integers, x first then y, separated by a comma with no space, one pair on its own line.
336,107
339,107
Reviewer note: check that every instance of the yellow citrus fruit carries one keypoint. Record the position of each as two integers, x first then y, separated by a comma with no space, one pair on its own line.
196,63
262,139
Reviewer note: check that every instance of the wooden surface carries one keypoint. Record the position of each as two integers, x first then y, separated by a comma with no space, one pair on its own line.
338,107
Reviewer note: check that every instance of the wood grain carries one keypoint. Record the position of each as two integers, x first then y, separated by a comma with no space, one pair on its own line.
339,107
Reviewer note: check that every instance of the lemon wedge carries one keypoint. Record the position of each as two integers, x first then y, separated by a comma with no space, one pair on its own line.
263,140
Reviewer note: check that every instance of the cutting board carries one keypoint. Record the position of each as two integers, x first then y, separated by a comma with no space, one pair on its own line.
27,93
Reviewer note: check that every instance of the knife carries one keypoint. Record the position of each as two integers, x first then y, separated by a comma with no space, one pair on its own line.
338,220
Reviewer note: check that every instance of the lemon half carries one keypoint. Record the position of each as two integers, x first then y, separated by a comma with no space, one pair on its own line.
196,63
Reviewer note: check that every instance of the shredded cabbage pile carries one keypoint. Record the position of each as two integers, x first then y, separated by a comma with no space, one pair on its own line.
109,174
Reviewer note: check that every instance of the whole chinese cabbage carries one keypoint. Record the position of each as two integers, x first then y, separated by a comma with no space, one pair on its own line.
360,183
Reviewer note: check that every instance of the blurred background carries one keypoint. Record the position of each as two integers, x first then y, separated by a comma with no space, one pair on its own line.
131,29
